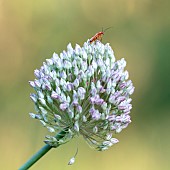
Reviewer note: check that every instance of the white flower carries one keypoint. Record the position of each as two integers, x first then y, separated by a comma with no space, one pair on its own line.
83,91
72,160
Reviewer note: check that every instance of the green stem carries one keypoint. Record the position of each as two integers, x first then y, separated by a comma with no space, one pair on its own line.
40,153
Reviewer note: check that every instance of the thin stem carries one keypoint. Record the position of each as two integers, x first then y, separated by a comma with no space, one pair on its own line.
41,153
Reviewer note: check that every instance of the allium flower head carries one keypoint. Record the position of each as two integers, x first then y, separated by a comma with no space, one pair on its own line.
83,91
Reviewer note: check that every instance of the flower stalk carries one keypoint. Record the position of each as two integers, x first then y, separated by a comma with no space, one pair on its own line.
41,153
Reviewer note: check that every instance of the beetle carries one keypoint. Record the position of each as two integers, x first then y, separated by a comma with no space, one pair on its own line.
98,36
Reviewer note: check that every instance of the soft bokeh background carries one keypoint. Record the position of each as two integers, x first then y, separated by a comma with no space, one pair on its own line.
30,31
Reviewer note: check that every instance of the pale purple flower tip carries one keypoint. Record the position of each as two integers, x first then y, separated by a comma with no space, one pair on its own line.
76,126
49,62
121,107
37,83
37,73
79,109
47,86
123,118
122,85
112,99
112,118
32,84
33,97
95,114
96,100
42,101
69,87
64,106
76,82
75,102
81,91
54,95
57,116
114,140
102,90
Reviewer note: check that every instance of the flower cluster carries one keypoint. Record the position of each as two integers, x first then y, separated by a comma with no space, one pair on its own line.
83,91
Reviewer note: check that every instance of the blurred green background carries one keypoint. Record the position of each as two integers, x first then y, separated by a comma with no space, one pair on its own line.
30,31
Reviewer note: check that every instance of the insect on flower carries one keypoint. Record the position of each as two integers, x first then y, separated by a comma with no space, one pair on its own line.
98,36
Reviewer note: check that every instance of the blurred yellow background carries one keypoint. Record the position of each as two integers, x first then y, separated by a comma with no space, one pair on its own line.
30,31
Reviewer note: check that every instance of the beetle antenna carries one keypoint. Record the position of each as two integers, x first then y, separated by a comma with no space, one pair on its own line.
107,29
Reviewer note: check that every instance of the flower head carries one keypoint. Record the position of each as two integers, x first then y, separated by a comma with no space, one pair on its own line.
83,91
